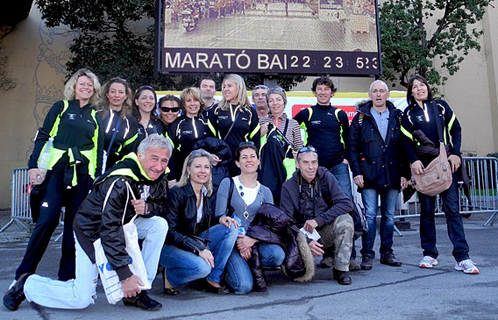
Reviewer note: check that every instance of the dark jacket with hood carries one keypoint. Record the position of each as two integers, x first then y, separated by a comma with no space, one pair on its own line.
181,214
381,162
101,213
322,200
272,225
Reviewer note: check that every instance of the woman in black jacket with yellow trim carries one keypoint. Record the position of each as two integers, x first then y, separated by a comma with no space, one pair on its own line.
120,127
187,130
144,109
234,120
71,165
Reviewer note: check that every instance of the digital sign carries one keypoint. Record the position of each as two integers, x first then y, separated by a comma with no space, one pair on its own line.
309,37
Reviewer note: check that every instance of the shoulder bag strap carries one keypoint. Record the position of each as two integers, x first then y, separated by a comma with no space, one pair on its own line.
286,126
438,124
230,191
230,129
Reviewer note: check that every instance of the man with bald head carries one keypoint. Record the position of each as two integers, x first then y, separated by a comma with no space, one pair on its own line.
378,169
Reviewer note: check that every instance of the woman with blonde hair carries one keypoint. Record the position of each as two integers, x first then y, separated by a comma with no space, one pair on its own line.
62,167
234,120
189,128
119,125
195,247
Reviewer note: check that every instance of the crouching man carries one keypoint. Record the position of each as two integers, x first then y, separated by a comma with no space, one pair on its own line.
316,201
100,216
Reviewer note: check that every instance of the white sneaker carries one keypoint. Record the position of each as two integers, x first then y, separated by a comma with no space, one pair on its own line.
427,262
467,266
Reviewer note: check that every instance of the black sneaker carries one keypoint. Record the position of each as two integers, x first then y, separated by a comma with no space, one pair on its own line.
15,296
143,301
366,263
390,260
342,277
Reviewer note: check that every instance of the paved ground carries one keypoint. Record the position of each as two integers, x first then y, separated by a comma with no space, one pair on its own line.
384,292
273,30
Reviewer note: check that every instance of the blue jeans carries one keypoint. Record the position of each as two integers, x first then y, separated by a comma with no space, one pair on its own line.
239,276
184,266
388,199
454,223
341,173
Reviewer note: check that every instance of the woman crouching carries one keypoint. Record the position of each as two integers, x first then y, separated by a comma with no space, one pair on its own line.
245,196
194,249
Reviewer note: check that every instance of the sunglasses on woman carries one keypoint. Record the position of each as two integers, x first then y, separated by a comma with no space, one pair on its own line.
246,143
166,109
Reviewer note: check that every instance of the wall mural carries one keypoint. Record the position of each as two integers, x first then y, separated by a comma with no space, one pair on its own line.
50,70
6,81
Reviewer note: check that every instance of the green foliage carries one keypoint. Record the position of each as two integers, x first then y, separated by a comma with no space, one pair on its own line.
416,33
112,44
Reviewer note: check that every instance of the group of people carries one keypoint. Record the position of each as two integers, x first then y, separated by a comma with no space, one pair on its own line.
221,190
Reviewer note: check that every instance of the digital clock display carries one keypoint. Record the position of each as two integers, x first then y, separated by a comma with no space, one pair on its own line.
271,37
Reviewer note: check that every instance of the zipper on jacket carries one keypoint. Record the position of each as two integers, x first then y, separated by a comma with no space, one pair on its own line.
426,114
195,128
110,121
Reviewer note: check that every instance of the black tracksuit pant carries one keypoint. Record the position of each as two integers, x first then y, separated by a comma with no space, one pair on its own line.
56,196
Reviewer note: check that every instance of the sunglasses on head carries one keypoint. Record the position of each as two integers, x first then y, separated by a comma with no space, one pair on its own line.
246,143
166,109
306,149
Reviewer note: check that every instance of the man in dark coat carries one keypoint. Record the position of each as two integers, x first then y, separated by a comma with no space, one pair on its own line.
378,167
316,201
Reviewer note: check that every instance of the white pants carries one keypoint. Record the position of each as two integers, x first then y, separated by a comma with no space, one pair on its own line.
81,292
153,231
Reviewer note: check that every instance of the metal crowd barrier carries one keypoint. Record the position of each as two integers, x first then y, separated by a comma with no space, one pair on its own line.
482,172
483,192
20,209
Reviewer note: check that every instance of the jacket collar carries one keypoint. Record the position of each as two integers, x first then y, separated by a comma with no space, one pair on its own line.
365,107
129,166
282,117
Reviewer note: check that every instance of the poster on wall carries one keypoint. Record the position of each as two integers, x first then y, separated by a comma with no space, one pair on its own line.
307,37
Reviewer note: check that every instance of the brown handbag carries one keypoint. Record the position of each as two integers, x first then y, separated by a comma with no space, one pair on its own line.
437,176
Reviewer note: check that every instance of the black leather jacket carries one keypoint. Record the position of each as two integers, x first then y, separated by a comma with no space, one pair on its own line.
181,214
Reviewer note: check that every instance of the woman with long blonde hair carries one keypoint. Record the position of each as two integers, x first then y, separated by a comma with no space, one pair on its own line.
234,120
62,167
